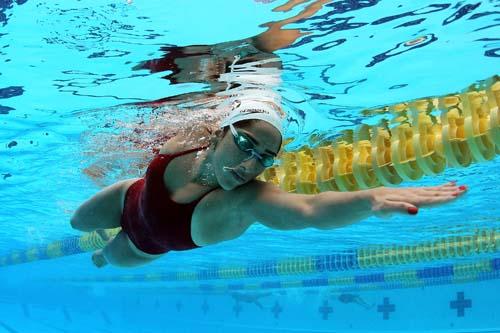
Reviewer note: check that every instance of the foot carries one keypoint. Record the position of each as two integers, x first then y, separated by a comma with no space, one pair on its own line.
98,259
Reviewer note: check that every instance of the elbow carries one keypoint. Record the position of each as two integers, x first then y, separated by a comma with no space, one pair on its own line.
308,215
312,216
74,222
78,222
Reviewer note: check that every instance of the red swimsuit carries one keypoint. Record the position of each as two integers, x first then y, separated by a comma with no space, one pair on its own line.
152,221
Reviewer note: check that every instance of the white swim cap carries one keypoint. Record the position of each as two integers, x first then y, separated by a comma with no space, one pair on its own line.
247,108
254,96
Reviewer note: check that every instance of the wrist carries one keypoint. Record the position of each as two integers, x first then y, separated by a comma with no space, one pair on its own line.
365,198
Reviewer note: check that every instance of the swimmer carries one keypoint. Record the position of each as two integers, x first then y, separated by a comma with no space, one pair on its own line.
201,191
251,298
356,299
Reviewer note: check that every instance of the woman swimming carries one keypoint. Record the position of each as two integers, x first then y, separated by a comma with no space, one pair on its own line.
201,190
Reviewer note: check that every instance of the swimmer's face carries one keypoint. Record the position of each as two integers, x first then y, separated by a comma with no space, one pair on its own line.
237,164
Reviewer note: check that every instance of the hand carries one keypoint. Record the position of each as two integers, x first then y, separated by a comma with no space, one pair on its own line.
386,200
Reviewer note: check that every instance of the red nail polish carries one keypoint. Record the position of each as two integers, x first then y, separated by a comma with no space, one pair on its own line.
455,194
412,210
462,188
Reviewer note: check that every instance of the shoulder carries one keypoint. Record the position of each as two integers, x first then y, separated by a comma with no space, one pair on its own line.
224,215
186,140
173,145
242,198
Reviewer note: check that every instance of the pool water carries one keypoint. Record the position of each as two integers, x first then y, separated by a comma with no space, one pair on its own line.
79,110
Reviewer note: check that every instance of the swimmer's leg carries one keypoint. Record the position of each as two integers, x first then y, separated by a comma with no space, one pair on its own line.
121,252
259,305
103,210
363,303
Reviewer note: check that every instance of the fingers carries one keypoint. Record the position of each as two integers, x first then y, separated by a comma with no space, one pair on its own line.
428,199
400,207
438,191
450,186
438,199
453,191
451,183
404,207
408,200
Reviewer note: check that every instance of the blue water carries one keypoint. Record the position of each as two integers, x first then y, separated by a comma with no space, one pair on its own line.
66,82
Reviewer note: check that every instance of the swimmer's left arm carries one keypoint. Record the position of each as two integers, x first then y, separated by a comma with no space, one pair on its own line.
224,215
281,210
327,210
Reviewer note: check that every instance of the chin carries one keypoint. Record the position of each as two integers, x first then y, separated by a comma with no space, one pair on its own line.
225,183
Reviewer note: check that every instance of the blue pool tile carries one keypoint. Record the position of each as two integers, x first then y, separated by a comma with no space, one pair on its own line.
206,287
315,282
237,286
271,284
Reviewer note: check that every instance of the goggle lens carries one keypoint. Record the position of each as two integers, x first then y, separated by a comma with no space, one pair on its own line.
247,146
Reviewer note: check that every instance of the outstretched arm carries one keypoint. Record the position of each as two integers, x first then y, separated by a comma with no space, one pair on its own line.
225,215
285,211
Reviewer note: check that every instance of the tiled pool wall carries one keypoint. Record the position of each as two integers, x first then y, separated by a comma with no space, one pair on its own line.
471,307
